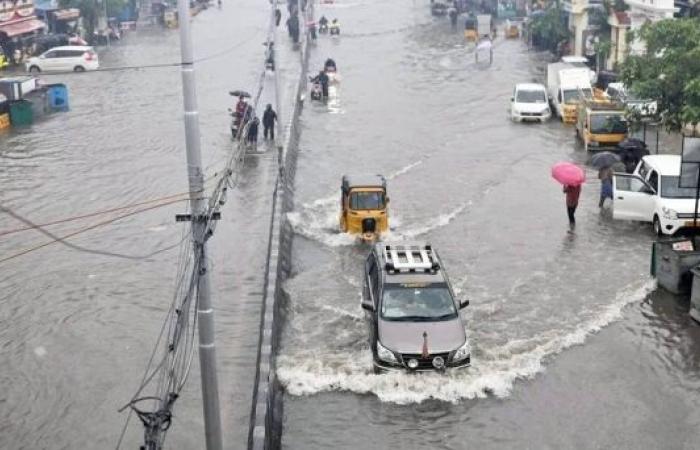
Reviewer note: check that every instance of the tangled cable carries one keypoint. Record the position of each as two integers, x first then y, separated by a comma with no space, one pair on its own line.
170,362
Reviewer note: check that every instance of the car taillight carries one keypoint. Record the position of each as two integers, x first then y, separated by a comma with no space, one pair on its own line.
89,56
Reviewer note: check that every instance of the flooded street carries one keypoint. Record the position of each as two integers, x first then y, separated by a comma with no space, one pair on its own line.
572,346
79,327
567,336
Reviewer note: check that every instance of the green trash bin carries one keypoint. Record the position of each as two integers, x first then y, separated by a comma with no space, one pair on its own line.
673,260
21,113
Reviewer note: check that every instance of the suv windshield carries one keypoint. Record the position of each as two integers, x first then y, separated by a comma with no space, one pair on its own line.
418,304
530,97
367,200
608,124
671,189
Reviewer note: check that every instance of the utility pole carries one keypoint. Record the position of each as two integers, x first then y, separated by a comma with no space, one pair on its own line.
205,312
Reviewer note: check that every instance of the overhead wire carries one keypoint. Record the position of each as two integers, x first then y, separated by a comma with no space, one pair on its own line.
173,369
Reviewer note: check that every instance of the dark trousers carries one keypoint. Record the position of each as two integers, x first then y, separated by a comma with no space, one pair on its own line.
269,129
324,89
570,210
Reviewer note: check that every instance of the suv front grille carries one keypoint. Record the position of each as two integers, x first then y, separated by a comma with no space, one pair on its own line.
424,363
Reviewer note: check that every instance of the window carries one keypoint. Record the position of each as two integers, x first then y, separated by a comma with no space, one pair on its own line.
653,180
644,170
572,95
671,189
630,184
530,97
50,54
367,200
608,124
418,304
74,53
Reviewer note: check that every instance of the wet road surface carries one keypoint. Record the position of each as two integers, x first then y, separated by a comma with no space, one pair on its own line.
78,328
571,348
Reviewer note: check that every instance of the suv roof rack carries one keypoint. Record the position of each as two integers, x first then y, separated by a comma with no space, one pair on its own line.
410,258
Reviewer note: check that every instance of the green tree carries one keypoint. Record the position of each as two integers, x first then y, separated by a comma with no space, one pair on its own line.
548,29
669,70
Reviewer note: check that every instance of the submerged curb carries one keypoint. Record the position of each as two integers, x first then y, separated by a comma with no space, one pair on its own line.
267,413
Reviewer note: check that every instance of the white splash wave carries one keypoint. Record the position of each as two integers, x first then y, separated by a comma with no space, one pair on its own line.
496,373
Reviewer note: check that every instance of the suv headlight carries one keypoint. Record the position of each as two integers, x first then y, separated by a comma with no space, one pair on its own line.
385,354
669,213
463,352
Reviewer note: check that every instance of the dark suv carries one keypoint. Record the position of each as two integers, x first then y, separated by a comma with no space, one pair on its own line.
414,317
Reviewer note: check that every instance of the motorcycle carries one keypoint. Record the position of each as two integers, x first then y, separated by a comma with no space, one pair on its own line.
323,28
316,91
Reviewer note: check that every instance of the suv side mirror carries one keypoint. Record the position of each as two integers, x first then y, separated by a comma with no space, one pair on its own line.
367,306
463,304
512,99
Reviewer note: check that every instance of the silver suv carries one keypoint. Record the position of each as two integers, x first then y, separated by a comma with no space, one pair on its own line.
414,318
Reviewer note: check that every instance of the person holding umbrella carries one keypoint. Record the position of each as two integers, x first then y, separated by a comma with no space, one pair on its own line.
571,177
603,162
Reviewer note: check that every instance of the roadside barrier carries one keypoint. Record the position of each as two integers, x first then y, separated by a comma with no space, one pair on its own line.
267,412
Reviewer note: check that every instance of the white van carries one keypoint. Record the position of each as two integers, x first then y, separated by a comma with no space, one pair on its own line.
529,102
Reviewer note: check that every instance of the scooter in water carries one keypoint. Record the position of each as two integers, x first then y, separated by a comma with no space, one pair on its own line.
323,28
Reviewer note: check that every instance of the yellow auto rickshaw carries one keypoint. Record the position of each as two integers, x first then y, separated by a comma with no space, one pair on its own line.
470,33
364,206
513,28
170,18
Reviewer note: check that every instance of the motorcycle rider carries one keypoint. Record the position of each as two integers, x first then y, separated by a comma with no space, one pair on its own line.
330,66
322,25
322,79
452,12
335,27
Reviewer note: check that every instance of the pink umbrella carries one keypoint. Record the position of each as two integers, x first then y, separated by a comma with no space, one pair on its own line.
568,174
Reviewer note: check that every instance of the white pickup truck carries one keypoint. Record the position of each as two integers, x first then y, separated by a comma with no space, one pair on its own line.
653,194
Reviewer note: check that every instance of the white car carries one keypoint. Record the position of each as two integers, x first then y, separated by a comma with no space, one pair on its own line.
618,92
529,102
653,194
77,58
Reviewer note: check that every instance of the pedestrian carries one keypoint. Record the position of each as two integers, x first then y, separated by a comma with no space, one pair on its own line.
278,17
269,118
253,132
572,193
606,189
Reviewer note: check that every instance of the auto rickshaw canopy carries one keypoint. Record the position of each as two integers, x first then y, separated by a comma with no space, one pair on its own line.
363,181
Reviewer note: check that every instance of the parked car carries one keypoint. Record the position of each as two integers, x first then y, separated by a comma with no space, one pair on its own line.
77,58
644,107
529,102
413,315
652,193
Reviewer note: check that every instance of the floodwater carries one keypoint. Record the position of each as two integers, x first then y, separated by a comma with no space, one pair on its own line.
78,327
572,346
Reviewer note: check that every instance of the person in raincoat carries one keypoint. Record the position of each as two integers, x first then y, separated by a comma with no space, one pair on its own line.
572,194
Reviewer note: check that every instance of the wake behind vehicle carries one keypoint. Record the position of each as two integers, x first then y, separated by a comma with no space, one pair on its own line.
653,194
413,316
529,103
364,206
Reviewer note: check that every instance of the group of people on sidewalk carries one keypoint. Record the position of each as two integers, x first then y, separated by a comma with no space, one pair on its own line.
247,116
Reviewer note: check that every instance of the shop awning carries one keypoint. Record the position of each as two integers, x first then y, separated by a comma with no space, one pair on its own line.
67,14
22,27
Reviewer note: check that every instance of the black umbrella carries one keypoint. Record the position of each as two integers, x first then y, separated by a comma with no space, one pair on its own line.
239,93
604,159
632,144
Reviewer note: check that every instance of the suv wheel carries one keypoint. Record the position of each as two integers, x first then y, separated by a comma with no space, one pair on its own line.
657,226
34,69
79,69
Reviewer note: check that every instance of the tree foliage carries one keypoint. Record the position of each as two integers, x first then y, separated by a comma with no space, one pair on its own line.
548,29
669,70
